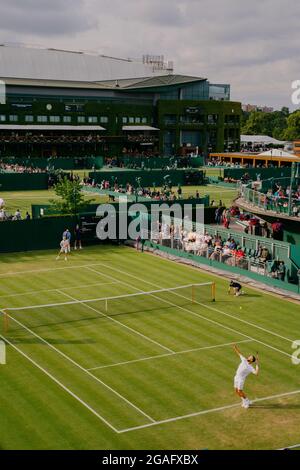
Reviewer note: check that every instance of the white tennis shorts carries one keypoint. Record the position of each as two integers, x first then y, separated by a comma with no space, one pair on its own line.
239,383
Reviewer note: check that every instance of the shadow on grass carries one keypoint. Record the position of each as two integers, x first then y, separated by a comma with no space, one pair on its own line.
53,341
101,317
277,406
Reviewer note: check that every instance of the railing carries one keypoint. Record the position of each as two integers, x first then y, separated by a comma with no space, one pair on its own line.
267,202
248,262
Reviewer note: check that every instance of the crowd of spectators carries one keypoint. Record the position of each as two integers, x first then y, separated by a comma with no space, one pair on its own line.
216,248
142,138
279,197
16,168
166,193
29,138
219,162
4,215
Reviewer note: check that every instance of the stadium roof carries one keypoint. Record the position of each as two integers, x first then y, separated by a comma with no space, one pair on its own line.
52,64
150,82
261,139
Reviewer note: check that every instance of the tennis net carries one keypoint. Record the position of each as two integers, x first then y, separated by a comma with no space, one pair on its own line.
76,310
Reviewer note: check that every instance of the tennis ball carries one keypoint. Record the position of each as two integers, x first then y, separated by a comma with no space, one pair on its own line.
241,308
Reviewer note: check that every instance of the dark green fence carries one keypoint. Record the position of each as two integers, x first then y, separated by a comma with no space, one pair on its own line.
29,235
23,181
66,163
265,173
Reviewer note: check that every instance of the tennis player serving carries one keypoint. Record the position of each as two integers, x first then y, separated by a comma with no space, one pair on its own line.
245,368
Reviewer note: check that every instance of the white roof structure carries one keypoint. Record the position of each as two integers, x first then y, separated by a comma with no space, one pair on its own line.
276,153
51,64
261,139
139,128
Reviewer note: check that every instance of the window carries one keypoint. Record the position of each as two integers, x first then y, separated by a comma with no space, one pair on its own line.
67,119
103,119
196,91
29,118
92,120
232,119
54,119
131,120
144,120
170,119
74,108
191,138
192,119
42,119
212,119
138,120
2,118
13,118
124,120
81,119
219,92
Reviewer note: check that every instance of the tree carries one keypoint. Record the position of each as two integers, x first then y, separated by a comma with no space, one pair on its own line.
71,198
292,131
273,124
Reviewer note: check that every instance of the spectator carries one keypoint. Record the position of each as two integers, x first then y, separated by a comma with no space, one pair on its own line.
281,271
17,215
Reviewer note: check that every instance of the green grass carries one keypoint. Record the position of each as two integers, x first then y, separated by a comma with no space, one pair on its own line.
214,191
24,199
73,408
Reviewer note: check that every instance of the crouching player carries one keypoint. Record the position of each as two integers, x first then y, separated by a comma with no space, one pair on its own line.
245,368
64,248
236,288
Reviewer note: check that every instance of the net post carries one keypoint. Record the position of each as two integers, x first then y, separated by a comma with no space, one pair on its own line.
213,291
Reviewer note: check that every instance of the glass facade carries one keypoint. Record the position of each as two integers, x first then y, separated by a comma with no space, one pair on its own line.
169,142
201,91
196,91
192,138
170,119
192,119
219,92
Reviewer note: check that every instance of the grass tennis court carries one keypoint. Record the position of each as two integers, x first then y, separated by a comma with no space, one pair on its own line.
152,372
23,199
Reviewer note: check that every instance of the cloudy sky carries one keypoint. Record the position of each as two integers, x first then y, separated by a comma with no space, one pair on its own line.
253,45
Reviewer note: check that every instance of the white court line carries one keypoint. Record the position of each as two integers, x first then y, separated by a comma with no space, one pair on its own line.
154,423
122,324
80,367
178,353
290,447
60,384
204,412
81,286
46,270
188,310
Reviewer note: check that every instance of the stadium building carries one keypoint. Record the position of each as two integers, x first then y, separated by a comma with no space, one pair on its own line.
62,103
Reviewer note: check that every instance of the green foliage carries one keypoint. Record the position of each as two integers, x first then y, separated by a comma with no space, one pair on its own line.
292,131
71,200
280,124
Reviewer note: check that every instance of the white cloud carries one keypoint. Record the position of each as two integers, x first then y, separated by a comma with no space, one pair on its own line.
251,45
